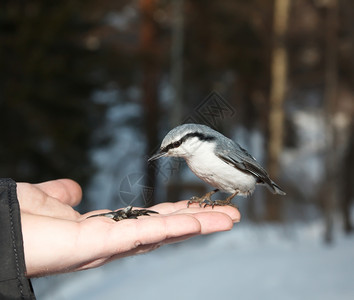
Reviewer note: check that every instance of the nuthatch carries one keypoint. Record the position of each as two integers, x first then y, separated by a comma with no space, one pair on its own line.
217,160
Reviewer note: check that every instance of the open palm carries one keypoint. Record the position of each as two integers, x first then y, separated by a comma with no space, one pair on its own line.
58,239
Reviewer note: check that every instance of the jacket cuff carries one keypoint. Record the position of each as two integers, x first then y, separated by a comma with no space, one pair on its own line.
13,282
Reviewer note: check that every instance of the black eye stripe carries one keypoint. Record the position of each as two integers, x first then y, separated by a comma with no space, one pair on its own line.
200,136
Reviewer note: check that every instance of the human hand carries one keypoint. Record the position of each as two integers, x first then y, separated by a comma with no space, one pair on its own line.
58,239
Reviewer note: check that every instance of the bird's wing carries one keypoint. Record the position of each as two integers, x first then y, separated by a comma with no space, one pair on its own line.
234,155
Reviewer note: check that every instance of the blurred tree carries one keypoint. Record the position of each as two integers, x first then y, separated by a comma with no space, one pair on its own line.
279,74
177,58
331,100
48,74
346,73
177,46
150,80
228,37
347,180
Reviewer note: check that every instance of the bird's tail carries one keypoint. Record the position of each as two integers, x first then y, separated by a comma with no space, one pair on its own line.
275,189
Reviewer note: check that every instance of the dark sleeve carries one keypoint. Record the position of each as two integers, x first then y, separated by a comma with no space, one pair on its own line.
13,282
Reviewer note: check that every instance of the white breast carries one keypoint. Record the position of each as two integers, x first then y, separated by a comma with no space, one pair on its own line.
214,171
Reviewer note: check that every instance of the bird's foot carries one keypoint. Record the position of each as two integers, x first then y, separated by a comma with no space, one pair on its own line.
203,200
221,203
206,200
126,213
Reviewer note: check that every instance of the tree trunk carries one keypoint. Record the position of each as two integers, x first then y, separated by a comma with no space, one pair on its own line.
330,95
150,69
279,69
177,62
174,190
347,182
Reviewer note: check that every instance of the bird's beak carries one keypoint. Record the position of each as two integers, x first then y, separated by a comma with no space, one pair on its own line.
157,155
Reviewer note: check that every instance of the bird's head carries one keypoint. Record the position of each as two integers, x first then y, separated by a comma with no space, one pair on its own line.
185,141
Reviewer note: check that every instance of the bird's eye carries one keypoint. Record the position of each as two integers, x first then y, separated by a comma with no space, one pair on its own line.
176,144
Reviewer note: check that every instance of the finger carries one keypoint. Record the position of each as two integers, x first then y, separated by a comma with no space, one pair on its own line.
148,233
213,221
181,207
96,240
65,190
73,245
33,200
151,229
154,229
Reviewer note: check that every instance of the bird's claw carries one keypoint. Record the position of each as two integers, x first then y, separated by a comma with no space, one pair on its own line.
201,201
208,201
223,203
126,213
204,199
195,199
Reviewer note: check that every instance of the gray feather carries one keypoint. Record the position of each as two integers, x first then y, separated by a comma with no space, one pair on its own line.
233,154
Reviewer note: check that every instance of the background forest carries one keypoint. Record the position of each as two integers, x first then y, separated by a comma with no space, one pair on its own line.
89,88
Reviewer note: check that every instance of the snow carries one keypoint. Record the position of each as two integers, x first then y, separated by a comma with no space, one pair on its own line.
248,262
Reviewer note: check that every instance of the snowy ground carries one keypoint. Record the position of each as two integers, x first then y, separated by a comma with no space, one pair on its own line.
248,262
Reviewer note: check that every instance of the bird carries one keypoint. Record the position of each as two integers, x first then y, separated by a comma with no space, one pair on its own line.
217,160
